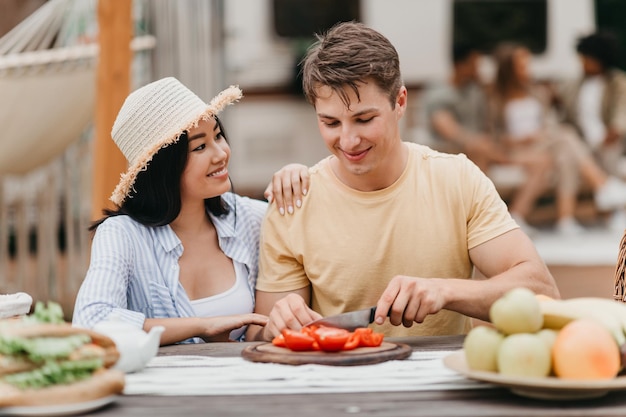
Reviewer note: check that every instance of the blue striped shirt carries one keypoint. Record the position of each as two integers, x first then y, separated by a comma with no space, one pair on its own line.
133,271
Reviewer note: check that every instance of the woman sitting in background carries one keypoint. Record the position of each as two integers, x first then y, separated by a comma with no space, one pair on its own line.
521,120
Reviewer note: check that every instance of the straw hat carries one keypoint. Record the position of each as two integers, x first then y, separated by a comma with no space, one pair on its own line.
153,117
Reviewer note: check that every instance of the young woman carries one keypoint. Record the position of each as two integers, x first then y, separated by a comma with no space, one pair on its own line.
180,250
522,121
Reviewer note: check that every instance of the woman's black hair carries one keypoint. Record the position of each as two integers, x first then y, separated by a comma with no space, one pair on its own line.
154,199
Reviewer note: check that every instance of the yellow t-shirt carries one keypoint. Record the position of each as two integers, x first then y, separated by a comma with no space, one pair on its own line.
348,244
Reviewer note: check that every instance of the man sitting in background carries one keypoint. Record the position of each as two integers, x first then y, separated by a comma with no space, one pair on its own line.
595,105
456,112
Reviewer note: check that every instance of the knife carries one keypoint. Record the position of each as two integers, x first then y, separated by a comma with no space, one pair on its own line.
348,321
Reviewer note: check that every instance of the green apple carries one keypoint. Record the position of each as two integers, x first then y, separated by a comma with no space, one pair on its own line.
548,336
481,348
524,354
517,311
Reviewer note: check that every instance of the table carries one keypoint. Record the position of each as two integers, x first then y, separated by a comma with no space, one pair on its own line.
457,403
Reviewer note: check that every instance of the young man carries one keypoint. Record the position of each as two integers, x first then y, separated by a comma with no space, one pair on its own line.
596,103
386,222
456,112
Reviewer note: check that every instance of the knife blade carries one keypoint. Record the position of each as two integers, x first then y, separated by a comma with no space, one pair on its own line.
349,321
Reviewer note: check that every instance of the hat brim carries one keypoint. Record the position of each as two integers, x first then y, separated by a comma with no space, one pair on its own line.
127,179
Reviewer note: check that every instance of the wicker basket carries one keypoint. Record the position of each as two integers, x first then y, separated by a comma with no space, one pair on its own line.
620,270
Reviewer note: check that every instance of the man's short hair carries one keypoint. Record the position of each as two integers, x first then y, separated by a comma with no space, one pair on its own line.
348,55
602,46
462,50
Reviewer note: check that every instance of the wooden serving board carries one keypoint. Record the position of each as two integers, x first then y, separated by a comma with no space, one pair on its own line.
267,352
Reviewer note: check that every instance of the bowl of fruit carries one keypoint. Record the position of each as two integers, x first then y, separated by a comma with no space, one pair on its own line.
545,348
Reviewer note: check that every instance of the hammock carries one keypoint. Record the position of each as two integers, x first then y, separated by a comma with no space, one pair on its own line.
47,83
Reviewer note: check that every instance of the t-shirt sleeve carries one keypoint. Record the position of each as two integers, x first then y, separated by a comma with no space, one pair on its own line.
488,215
280,269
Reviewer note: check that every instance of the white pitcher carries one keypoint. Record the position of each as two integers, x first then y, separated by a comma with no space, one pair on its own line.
136,347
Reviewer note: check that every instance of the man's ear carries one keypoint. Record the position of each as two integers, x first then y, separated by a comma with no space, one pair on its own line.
401,102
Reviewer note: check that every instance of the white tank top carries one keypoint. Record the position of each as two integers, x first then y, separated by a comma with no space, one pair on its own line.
523,117
235,300
590,110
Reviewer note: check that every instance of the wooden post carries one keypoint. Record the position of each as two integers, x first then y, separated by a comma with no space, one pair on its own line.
113,86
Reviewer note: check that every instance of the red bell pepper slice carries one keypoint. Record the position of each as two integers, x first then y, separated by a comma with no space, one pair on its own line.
279,341
298,341
331,339
368,338
325,330
353,342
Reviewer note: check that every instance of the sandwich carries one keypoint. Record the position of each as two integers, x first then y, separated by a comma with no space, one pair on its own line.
51,363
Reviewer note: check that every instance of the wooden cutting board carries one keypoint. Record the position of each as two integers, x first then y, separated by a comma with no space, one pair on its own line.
266,352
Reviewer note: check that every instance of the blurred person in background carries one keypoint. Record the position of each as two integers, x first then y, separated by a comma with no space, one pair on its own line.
181,249
523,121
456,111
386,222
596,103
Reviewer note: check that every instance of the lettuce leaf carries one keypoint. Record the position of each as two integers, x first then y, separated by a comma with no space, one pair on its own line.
50,313
39,349
53,373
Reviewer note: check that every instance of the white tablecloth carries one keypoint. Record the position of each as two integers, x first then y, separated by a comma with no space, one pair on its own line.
199,375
